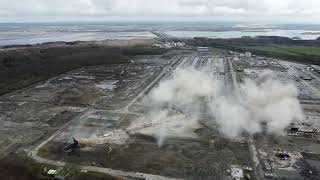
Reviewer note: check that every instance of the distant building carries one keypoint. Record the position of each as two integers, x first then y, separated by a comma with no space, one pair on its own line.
294,129
269,175
306,78
230,52
59,174
52,172
158,45
248,54
203,49
173,44
240,69
221,66
167,45
181,44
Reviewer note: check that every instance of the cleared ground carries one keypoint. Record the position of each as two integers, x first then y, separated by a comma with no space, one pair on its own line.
35,113
303,149
124,140
104,109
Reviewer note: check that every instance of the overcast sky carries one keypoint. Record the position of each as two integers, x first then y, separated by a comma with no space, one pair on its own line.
108,10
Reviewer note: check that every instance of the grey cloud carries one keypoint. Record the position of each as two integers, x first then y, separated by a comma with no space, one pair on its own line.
104,9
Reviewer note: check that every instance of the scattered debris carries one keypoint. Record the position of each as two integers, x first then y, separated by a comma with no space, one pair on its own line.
236,173
72,147
283,155
52,172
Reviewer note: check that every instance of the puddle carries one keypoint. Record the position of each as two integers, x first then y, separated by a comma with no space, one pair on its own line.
77,77
107,85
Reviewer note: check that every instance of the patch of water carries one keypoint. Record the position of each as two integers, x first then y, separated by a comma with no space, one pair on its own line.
108,85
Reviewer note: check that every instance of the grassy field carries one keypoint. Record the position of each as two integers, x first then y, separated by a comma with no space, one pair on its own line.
271,48
293,50
298,53
309,50
303,51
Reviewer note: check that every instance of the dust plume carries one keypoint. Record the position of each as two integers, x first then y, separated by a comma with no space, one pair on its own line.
265,104
186,87
177,101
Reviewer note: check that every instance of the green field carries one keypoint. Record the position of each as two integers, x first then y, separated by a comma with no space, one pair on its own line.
287,49
309,50
302,51
298,53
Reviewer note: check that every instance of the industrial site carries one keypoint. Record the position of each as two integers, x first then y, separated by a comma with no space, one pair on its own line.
190,113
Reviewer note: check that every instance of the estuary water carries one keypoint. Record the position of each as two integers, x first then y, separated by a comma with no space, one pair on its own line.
33,33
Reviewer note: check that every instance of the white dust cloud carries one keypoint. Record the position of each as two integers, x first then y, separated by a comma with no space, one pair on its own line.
267,101
265,104
176,102
186,87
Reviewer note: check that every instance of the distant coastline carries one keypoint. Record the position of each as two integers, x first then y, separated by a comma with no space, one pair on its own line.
311,33
34,33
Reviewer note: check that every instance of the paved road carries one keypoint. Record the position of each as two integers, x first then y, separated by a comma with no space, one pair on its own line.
112,172
234,79
259,173
153,83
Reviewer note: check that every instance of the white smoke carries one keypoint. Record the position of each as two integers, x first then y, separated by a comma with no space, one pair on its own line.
178,100
264,104
232,117
268,102
186,87
168,124
272,102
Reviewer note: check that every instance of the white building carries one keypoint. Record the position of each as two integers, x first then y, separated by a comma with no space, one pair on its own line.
247,54
180,44
158,45
202,49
